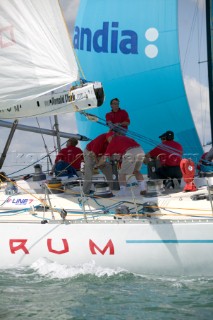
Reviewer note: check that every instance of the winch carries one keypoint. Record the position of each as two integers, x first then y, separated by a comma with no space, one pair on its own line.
38,175
102,190
55,185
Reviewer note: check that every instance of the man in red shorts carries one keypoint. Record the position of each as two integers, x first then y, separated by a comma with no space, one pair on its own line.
130,153
117,119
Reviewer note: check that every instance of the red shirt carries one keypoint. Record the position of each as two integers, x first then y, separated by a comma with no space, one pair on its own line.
120,145
169,153
72,155
98,145
118,117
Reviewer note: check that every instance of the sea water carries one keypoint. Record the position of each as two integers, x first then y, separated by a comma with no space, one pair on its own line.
47,290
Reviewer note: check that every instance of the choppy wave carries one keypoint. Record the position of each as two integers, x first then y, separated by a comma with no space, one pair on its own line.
47,290
54,270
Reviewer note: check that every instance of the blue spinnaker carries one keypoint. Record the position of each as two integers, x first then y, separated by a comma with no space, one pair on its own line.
132,48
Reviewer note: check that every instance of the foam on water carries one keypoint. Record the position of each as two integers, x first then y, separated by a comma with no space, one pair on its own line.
53,270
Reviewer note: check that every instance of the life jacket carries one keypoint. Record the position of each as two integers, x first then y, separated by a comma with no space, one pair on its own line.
187,167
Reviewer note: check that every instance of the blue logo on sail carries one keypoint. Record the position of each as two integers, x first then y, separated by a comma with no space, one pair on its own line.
110,39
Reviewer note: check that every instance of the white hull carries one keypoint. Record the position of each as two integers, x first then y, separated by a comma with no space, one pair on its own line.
144,247
177,238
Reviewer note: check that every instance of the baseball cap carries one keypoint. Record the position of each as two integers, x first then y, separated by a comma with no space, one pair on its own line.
169,135
163,135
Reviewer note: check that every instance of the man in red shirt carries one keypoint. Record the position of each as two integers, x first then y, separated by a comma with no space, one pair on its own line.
169,152
68,158
117,119
93,152
130,153
71,154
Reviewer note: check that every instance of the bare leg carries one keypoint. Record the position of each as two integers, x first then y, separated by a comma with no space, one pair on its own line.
141,182
138,176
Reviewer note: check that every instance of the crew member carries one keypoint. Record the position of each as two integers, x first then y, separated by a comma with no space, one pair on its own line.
117,119
153,164
93,152
131,155
169,152
68,158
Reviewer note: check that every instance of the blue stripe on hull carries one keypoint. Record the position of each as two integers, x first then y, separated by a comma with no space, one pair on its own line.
167,241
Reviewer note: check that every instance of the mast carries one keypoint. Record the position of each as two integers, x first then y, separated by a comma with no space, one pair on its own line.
209,35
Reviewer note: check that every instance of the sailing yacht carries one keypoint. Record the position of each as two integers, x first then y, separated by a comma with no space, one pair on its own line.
162,232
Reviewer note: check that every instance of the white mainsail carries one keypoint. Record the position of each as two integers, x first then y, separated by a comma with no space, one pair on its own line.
36,57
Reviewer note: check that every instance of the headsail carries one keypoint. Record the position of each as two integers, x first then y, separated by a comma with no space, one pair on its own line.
36,57
137,49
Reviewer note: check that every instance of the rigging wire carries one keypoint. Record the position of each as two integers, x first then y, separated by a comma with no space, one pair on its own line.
190,35
54,144
45,146
32,164
54,139
129,133
101,121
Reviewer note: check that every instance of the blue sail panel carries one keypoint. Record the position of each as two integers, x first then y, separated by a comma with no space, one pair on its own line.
133,50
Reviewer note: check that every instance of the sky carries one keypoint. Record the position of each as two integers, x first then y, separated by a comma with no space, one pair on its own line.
28,147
